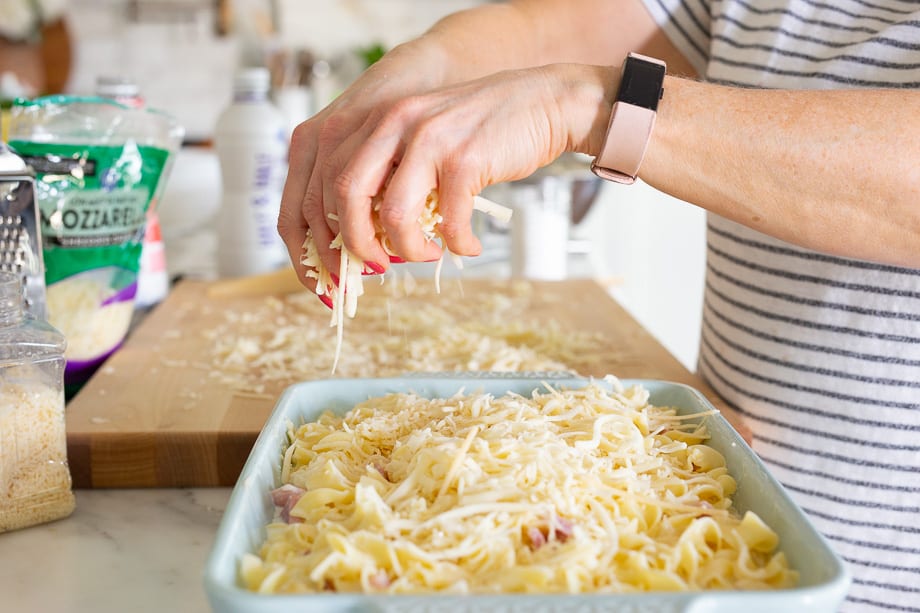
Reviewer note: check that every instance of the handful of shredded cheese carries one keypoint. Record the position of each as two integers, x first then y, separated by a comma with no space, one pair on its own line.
586,490
351,286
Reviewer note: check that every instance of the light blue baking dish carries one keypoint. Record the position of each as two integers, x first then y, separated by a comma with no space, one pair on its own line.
823,578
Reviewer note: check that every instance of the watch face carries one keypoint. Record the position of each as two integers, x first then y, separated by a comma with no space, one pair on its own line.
641,83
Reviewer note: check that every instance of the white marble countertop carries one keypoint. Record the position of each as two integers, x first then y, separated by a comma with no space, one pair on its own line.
120,551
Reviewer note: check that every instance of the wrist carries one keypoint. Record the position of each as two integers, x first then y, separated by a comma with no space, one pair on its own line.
422,59
632,119
584,98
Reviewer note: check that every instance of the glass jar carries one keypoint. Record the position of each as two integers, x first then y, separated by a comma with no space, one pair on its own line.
35,484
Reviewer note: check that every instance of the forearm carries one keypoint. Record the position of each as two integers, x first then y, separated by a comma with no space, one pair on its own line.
834,171
479,41
524,33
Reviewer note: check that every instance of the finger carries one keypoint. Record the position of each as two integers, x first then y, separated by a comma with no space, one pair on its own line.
330,172
352,192
331,155
334,130
322,235
362,184
334,163
455,195
292,226
403,203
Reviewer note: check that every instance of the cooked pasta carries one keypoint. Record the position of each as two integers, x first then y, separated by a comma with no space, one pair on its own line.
584,490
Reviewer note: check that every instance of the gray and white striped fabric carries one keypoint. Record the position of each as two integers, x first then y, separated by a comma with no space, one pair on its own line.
821,354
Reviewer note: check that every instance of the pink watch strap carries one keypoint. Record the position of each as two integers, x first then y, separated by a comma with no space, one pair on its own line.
627,139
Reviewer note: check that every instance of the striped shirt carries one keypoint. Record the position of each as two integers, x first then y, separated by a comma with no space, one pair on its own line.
820,354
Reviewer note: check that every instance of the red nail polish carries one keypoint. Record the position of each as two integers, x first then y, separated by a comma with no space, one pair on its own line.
325,299
335,278
377,268
395,259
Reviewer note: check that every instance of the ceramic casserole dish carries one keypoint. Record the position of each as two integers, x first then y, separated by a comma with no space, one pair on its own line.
823,579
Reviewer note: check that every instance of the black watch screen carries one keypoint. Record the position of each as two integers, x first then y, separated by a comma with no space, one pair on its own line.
641,83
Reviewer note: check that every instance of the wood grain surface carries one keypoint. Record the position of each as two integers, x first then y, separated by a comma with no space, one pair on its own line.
155,415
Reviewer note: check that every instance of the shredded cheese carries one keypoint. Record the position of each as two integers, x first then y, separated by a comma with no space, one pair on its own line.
564,491
350,286
77,307
260,346
35,484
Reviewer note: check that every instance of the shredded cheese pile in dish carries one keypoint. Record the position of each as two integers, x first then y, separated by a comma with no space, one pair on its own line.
567,491
350,287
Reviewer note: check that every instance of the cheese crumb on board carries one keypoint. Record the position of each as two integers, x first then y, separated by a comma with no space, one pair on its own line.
405,327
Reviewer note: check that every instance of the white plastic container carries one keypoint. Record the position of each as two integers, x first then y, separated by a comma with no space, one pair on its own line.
251,142
540,228
295,103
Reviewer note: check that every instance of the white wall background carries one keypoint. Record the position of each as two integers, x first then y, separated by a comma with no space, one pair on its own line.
180,64
172,49
652,247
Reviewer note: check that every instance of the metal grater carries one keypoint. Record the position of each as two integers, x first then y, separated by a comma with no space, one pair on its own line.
20,232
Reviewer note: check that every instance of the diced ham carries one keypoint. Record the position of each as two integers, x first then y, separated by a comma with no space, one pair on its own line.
535,538
380,464
281,494
559,529
285,497
379,580
562,528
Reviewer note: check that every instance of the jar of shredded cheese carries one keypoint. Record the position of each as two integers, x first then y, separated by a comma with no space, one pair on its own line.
35,484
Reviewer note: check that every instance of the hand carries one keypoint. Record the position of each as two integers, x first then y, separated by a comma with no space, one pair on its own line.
456,140
319,144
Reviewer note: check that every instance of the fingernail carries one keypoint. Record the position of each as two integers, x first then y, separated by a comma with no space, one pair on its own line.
434,260
395,259
377,268
335,278
325,300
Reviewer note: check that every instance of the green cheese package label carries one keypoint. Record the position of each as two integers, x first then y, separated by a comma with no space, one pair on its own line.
99,167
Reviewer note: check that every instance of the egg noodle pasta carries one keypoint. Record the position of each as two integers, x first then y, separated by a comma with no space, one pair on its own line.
565,491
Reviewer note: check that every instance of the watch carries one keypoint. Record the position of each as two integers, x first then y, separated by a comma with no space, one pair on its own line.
631,119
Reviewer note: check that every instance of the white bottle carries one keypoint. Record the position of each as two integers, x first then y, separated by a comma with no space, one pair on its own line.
251,143
540,227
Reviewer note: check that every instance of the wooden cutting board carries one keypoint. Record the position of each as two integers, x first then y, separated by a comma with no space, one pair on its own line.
154,416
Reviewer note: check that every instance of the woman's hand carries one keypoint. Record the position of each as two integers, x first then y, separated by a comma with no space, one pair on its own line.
321,145
456,140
